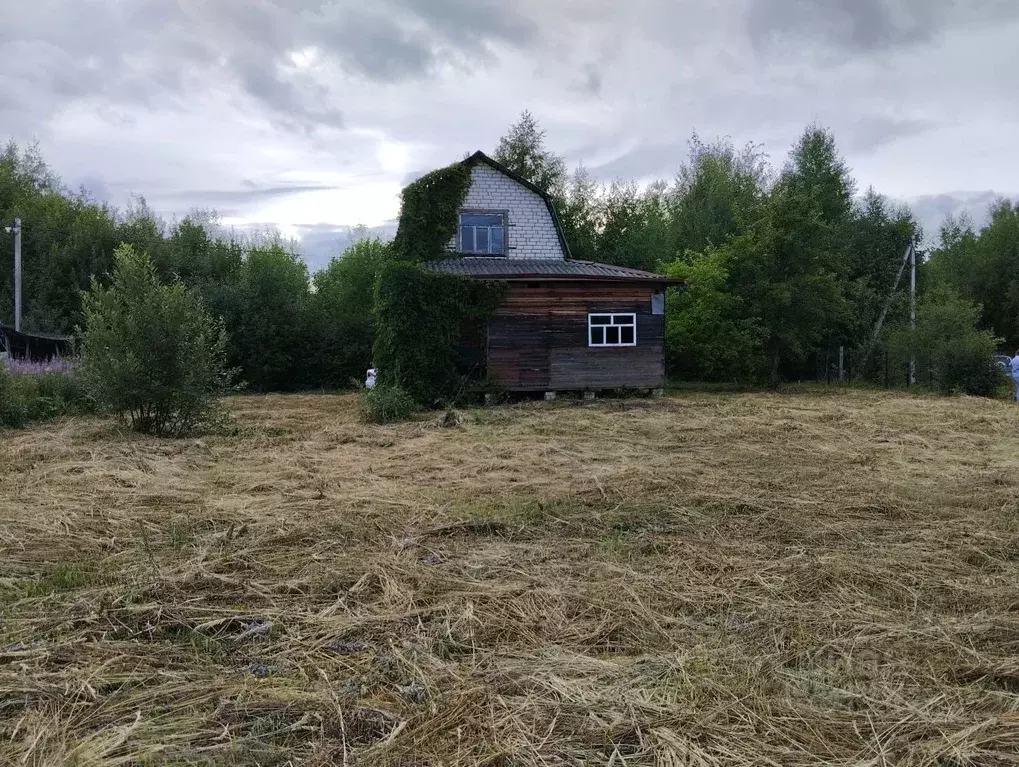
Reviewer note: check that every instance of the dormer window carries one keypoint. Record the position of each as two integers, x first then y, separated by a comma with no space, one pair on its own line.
483,233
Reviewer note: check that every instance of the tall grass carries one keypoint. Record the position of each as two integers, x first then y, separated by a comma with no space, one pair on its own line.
37,391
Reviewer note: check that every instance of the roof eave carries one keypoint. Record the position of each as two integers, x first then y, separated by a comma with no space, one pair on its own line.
669,281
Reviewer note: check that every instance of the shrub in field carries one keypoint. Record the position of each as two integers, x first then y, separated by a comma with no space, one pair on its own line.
151,352
386,403
947,338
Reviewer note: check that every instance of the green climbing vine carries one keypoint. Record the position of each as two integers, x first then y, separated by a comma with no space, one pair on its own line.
421,315
428,213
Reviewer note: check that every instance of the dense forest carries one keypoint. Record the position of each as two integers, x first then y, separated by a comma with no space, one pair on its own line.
785,266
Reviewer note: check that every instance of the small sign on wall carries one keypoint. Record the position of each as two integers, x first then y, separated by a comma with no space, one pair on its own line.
658,302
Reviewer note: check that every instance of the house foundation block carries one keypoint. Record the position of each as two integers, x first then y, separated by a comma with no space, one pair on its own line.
657,393
550,396
589,396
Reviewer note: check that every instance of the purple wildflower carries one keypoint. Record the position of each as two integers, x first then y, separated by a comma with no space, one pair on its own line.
40,367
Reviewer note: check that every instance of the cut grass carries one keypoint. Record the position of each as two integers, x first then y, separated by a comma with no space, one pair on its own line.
796,579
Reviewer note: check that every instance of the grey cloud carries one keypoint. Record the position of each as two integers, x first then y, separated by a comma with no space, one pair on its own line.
862,26
154,53
932,210
293,105
589,83
870,133
469,24
645,162
848,24
320,242
414,175
619,86
375,46
249,193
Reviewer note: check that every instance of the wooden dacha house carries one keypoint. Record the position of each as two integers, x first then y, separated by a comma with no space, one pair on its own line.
565,325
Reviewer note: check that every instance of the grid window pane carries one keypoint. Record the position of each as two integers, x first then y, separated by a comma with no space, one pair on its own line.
481,219
481,239
467,239
612,329
498,244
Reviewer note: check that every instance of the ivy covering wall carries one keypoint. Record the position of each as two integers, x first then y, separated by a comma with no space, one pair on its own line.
421,315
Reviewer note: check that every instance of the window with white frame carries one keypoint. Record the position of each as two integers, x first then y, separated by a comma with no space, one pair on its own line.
483,233
612,330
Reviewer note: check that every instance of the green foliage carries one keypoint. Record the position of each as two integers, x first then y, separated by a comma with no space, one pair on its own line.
580,212
25,398
151,351
634,227
707,334
428,213
788,279
949,343
14,400
273,294
782,269
66,239
420,318
523,151
340,325
984,267
386,403
719,191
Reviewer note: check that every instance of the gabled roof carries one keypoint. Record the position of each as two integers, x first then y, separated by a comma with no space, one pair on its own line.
481,157
494,267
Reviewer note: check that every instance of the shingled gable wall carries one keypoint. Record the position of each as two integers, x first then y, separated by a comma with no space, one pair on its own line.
531,232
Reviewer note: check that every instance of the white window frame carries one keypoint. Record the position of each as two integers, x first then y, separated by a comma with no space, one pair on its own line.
613,322
480,212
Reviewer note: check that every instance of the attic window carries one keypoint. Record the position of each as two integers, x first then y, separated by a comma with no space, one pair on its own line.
483,233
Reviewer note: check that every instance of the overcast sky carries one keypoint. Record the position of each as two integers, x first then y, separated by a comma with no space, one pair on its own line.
310,115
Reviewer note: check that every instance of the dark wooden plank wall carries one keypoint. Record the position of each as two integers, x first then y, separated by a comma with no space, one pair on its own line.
537,339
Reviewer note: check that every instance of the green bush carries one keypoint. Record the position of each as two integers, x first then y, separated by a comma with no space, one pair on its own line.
151,352
969,370
948,341
386,403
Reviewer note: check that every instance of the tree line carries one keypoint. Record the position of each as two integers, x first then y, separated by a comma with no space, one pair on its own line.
784,267
789,268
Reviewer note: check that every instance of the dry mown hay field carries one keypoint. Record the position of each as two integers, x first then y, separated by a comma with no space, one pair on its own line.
759,579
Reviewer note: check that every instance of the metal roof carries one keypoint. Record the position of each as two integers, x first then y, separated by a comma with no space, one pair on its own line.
542,269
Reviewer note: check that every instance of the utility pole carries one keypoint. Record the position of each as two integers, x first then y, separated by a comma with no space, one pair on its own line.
912,306
16,230
862,367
